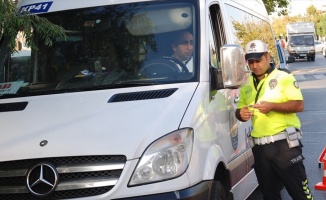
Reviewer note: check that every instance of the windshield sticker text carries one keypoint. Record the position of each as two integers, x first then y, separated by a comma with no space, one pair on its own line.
10,87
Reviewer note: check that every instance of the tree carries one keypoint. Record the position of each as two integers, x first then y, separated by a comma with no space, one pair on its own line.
12,22
279,24
315,16
321,26
312,15
26,24
279,5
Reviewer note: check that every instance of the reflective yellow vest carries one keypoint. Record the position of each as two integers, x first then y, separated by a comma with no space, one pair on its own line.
278,86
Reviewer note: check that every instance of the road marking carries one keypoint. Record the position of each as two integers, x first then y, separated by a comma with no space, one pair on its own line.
320,76
299,77
310,77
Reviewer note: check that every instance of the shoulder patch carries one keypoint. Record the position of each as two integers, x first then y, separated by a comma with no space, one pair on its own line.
285,70
296,84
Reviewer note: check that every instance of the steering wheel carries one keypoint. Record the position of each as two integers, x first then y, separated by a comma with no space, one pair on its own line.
161,66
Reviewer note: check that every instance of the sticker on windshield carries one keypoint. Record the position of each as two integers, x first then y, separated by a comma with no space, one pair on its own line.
36,7
10,87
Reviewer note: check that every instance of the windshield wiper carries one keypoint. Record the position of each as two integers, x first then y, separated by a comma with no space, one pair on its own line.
135,83
110,86
6,96
123,84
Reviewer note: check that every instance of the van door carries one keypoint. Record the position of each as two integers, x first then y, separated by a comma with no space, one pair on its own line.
234,144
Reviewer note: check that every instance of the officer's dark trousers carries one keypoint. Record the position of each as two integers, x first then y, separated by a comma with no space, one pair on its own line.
277,165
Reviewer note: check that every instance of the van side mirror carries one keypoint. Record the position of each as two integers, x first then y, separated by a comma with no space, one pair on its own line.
235,70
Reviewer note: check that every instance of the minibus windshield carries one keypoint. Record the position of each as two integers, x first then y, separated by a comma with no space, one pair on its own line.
306,40
110,46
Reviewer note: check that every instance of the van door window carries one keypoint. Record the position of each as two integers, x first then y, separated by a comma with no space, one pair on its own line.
246,27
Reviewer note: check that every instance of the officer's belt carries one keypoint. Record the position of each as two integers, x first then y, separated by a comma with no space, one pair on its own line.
273,138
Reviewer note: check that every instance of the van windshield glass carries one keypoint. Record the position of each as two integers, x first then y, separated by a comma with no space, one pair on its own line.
112,46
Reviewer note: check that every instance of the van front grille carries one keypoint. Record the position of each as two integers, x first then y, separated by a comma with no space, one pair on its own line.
144,95
80,176
9,107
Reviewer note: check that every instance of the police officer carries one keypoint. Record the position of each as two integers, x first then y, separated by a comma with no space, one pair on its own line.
271,100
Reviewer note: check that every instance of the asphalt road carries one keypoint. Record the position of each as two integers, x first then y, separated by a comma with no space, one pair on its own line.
311,76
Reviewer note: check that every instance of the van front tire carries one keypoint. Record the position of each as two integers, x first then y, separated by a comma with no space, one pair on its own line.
217,191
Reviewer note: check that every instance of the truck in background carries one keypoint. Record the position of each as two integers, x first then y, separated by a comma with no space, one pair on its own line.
301,40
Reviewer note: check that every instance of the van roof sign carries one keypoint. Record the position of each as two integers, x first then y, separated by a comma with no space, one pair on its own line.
36,7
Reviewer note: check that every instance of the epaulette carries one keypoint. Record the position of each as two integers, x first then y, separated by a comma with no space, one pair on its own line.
284,70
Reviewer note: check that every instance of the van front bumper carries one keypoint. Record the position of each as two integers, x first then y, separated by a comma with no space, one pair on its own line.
197,192
302,54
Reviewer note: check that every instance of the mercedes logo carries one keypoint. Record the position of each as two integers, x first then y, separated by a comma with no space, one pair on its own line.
42,179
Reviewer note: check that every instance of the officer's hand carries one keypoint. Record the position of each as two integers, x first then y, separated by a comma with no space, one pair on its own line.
245,113
263,107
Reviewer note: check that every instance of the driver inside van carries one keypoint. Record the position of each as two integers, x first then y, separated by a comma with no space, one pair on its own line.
182,47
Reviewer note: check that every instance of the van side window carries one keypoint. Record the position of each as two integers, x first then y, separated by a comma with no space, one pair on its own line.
246,27
216,35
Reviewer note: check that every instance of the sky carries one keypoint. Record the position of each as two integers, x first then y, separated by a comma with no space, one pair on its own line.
300,6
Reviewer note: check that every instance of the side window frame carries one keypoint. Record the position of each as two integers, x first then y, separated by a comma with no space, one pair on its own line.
216,38
216,35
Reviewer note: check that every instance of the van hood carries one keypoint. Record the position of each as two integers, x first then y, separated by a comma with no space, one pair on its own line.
106,122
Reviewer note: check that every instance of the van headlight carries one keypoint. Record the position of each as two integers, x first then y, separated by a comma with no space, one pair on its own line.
166,158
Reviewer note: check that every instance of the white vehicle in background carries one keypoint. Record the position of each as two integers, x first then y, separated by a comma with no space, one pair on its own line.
107,113
319,46
324,50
